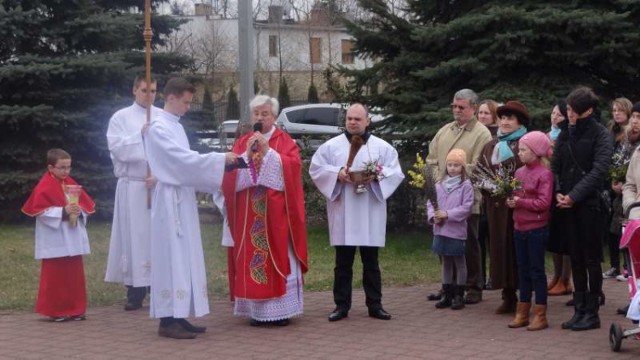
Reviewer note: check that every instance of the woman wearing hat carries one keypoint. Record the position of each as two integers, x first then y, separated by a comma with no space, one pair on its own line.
502,151
581,160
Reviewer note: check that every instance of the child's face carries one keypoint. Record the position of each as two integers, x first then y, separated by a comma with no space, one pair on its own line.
525,154
453,169
62,169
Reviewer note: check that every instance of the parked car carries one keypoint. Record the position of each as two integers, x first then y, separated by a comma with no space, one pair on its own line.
222,139
312,124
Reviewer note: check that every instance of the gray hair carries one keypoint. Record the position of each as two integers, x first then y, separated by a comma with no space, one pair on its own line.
260,100
467,94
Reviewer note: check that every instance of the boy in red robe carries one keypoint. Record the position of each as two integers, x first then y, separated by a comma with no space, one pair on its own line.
61,240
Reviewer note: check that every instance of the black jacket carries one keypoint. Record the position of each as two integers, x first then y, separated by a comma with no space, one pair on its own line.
581,162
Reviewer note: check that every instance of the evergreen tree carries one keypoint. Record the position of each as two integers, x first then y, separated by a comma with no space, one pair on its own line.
233,105
283,94
207,100
533,51
65,67
312,95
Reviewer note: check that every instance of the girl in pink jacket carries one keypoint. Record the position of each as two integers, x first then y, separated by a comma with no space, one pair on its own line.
531,208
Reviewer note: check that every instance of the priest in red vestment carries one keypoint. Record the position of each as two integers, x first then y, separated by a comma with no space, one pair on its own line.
265,211
61,239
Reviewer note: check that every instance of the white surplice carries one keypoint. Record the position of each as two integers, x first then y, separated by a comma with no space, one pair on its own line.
356,219
56,238
178,277
129,261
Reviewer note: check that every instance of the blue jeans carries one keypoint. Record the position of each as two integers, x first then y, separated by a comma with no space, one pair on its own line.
530,249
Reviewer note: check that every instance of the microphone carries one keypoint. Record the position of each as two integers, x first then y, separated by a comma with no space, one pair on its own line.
256,127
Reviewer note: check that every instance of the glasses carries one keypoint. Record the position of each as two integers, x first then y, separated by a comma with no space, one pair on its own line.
63,168
459,107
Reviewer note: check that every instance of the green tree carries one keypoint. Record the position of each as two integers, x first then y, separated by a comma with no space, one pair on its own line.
534,51
283,94
312,95
65,67
233,105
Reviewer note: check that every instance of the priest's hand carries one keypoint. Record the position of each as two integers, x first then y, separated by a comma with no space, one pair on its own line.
343,176
150,182
72,209
230,158
255,143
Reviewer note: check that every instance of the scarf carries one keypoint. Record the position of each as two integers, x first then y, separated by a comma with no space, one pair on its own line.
502,151
450,182
553,134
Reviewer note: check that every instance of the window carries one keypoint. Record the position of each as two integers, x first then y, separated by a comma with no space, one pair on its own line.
315,116
347,54
315,54
273,45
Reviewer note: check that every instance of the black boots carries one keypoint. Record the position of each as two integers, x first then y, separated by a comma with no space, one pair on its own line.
452,296
585,316
458,298
446,298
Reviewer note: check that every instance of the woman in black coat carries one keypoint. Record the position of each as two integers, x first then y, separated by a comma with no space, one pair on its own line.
581,161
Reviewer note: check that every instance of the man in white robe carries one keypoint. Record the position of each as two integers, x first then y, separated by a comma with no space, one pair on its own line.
356,219
129,260
178,277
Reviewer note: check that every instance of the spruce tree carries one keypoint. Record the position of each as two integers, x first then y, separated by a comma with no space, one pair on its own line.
283,94
65,67
312,95
233,105
533,51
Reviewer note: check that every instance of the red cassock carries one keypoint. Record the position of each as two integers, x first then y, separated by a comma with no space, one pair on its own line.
62,290
263,222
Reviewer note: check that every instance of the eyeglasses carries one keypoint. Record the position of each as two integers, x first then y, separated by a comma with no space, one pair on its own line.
63,168
459,107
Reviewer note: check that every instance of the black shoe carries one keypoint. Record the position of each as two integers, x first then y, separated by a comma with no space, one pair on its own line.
458,301
190,327
447,296
590,320
623,310
130,306
338,314
435,297
579,300
175,331
380,314
283,322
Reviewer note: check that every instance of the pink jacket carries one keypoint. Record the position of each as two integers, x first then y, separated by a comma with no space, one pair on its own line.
533,208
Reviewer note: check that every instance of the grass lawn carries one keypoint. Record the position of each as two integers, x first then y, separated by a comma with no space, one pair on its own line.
406,260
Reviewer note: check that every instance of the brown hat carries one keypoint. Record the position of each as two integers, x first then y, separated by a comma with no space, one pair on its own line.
516,108
457,156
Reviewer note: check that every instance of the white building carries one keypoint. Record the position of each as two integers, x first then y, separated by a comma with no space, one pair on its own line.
300,50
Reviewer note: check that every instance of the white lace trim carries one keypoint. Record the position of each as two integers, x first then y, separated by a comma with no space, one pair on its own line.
270,173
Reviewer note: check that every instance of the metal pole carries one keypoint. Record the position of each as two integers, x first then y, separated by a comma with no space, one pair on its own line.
246,63
148,34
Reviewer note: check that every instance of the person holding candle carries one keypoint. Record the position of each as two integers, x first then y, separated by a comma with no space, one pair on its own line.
60,243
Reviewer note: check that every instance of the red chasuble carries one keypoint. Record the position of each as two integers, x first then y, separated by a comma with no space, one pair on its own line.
262,222
50,193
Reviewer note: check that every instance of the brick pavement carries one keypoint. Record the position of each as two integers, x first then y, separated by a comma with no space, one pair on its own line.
417,331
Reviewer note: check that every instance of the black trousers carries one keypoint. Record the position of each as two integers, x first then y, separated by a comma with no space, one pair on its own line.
343,275
135,295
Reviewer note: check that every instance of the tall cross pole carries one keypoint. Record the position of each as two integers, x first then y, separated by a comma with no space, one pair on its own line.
148,34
